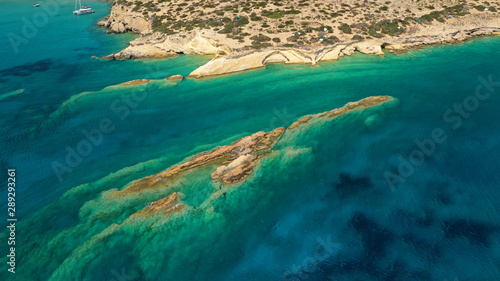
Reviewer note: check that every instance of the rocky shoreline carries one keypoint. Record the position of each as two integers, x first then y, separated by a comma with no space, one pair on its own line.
226,61
230,58
161,45
252,60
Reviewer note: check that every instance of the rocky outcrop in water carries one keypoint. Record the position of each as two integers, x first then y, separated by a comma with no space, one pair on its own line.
231,164
176,77
172,80
161,45
235,162
168,206
172,207
361,104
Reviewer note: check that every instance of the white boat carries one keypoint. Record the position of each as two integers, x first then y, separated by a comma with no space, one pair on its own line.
36,5
83,9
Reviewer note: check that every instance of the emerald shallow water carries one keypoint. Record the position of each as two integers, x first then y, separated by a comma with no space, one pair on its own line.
319,208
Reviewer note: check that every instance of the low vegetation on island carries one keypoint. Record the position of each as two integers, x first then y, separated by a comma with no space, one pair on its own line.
258,24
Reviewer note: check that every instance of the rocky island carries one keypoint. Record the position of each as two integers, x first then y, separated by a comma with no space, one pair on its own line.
252,34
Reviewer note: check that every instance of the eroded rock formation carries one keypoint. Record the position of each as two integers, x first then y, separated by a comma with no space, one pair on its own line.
161,45
258,59
229,164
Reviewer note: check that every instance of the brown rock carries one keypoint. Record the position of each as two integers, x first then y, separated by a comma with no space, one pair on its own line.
364,103
175,77
235,162
168,206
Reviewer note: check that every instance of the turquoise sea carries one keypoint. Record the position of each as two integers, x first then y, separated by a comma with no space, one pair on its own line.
404,191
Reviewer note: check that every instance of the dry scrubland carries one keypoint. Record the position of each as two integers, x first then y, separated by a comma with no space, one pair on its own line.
297,23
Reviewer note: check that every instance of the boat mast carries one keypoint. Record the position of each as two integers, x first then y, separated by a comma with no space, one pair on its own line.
80,1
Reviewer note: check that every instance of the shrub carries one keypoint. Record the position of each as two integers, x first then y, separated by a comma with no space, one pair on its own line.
427,18
158,26
387,27
259,45
293,12
331,40
345,28
457,9
329,29
272,15
254,17
214,23
241,21
435,14
480,7
260,38
228,28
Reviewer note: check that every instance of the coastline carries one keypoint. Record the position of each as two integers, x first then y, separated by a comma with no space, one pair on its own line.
230,57
227,62
175,175
233,62
238,62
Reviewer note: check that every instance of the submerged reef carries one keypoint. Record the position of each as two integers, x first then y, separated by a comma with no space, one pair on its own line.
182,222
235,162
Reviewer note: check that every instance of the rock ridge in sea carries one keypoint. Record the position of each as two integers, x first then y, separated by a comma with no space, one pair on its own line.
235,162
199,196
